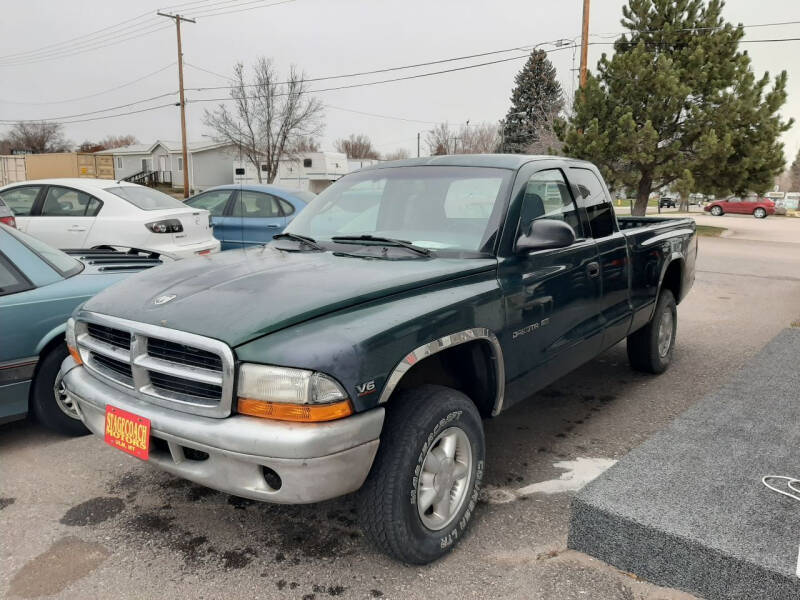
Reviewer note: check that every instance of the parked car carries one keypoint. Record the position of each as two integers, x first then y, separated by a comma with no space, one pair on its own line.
102,213
250,214
758,207
6,216
666,202
39,288
364,345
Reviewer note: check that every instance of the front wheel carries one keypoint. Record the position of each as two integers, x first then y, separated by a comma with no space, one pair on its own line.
49,401
650,348
423,487
716,211
760,213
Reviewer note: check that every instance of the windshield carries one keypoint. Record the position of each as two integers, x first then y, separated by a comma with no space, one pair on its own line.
145,198
62,263
439,208
304,196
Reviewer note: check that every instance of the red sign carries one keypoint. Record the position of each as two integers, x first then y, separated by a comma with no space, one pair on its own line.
127,432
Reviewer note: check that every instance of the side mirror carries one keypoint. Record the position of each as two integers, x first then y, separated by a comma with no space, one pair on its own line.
544,234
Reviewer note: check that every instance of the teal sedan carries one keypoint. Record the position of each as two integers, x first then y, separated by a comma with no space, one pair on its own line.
39,288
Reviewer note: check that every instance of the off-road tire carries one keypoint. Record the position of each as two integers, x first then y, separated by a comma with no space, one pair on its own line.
388,513
43,400
643,344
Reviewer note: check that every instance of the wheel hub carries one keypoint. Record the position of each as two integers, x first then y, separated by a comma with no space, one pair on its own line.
445,479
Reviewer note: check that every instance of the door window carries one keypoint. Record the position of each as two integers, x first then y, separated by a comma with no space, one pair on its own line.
257,205
547,197
592,197
214,201
286,207
20,200
66,202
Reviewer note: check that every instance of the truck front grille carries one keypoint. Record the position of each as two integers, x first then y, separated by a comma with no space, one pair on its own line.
163,366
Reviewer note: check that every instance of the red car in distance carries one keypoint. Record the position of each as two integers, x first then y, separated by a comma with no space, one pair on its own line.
752,205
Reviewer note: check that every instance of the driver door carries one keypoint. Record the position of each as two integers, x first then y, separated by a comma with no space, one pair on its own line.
553,318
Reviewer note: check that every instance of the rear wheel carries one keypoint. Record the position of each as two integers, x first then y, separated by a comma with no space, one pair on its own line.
49,401
760,213
716,211
650,348
423,487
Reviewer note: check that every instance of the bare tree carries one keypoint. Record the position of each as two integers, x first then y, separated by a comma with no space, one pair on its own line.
304,144
441,139
482,138
38,137
118,141
399,154
545,137
356,146
269,117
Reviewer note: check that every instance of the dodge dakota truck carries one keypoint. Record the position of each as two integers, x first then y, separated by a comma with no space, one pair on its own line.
363,346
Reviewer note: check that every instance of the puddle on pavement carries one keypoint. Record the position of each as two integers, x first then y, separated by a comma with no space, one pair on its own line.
67,560
577,474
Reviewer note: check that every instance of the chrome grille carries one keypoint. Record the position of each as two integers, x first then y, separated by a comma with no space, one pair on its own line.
172,368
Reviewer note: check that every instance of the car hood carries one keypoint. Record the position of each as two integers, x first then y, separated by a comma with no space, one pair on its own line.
240,295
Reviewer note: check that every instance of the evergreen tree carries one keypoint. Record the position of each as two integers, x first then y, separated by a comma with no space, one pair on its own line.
535,102
679,97
794,174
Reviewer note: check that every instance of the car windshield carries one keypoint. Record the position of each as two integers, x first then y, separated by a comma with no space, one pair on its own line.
145,198
62,263
304,196
435,207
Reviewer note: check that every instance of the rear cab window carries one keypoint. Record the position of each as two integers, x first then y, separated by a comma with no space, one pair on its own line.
145,198
593,198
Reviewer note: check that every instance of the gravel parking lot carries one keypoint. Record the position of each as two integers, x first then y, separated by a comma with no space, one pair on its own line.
80,519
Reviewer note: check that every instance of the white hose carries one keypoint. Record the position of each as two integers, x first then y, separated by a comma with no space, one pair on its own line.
791,482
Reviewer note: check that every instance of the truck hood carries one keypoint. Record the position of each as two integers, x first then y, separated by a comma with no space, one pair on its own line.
240,295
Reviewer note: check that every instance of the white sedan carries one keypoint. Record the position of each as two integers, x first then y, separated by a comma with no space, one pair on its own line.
92,213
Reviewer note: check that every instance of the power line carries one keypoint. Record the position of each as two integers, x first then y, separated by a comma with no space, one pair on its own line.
687,29
113,89
369,114
92,112
210,14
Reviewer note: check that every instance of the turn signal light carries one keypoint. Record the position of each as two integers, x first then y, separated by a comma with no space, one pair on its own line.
76,356
302,413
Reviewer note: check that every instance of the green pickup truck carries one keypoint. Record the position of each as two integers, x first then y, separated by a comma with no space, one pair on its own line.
362,348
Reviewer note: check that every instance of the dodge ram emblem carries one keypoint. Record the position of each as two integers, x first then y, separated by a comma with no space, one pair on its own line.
163,299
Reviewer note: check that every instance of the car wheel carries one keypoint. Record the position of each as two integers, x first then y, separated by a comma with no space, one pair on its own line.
422,490
48,401
716,211
650,348
760,213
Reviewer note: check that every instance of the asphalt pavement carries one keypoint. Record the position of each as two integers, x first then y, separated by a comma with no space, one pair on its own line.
80,519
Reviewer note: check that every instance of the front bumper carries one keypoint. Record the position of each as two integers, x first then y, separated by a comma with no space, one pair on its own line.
315,461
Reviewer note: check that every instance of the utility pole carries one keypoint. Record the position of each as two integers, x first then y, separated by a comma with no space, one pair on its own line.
584,42
418,144
177,18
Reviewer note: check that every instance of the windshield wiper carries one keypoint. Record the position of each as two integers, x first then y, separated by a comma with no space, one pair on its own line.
385,240
302,239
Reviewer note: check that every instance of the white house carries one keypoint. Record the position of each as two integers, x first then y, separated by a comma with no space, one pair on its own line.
209,162
310,171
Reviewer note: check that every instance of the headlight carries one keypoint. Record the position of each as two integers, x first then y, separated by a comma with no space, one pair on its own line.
288,394
72,344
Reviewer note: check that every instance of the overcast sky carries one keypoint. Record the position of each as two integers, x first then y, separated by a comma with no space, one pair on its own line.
322,37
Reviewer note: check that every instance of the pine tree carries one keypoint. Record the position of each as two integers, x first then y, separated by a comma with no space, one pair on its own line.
678,96
794,174
535,102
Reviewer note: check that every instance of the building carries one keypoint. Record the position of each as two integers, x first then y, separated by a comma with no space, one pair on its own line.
310,171
162,162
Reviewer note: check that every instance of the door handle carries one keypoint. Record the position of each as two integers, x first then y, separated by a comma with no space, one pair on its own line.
593,269
273,226
77,228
